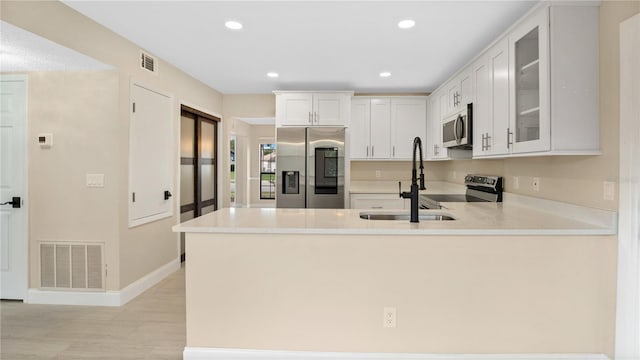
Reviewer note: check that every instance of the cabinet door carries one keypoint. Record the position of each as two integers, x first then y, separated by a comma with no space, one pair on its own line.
529,65
480,99
453,90
441,152
408,120
498,126
433,124
380,129
329,109
378,201
466,85
359,128
295,109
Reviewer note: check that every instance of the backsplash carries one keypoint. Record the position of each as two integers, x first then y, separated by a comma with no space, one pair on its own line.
571,179
394,170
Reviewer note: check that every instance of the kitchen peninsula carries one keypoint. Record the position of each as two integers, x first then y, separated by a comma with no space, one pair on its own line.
512,277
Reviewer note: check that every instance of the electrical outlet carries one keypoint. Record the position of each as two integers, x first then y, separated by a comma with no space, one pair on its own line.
389,317
378,174
454,175
609,190
516,182
536,184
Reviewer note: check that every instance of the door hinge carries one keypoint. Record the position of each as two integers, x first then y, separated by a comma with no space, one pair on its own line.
133,197
134,107
106,270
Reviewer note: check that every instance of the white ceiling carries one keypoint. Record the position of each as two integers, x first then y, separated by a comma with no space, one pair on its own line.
313,45
21,50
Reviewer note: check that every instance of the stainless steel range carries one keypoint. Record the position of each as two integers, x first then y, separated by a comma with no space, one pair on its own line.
480,188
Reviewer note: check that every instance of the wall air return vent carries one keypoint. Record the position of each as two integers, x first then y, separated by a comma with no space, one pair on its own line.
148,62
71,266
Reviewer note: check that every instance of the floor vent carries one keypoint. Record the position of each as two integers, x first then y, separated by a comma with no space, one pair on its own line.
147,62
73,266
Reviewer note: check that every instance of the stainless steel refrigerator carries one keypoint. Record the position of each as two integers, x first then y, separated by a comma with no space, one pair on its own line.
310,168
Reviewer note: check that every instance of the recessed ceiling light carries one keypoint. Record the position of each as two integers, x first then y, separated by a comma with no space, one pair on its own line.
233,25
272,74
385,74
406,24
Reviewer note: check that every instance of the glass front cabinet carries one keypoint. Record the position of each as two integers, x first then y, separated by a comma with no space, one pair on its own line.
529,129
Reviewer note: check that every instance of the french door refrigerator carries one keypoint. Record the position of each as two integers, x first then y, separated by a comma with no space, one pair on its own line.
310,167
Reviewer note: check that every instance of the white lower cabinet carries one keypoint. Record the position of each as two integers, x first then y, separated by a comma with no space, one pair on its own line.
378,201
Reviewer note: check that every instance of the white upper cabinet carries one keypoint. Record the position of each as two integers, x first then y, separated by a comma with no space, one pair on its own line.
434,149
459,92
360,128
312,109
370,128
408,120
380,145
529,130
491,101
535,91
384,127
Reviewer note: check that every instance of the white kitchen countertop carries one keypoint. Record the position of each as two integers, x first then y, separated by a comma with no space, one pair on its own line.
517,217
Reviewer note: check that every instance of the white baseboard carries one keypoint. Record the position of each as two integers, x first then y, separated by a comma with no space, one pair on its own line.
200,353
103,298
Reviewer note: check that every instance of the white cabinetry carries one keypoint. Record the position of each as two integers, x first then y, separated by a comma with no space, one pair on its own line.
434,149
542,87
312,108
458,92
370,128
408,120
529,80
378,201
384,127
491,101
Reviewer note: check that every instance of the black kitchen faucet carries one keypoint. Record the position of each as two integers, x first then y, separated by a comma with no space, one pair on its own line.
413,194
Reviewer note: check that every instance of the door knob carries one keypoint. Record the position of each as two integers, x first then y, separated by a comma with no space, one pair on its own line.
167,194
15,202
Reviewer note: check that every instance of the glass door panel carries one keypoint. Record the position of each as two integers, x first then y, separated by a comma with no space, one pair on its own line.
527,87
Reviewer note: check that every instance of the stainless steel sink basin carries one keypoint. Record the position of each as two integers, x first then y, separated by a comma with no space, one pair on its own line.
404,216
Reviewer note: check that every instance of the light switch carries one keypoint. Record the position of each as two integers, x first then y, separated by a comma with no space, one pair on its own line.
95,180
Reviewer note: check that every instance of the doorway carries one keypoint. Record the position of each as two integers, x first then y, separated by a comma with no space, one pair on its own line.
198,165
13,182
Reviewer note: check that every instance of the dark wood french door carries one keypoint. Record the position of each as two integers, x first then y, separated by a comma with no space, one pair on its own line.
198,164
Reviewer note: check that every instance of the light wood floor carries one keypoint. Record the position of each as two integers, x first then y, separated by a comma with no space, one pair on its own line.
152,326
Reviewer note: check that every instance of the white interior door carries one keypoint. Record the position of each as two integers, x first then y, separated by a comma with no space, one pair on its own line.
13,183
151,157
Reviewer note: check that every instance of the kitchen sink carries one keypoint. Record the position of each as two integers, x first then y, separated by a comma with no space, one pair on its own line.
404,216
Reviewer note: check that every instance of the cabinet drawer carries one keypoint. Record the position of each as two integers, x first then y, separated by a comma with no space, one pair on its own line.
378,201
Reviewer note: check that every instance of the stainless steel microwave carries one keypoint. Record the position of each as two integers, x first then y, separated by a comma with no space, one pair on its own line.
456,129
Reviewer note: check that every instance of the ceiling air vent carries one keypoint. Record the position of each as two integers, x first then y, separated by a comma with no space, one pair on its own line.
148,62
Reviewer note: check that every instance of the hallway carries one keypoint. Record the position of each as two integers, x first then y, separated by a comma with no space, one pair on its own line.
152,326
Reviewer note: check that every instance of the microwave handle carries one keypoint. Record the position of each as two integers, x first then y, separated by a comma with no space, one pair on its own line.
455,129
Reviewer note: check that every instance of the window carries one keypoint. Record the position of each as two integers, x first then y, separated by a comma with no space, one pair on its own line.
267,158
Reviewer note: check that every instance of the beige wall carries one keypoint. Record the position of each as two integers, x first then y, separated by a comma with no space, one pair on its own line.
453,294
80,110
394,170
131,253
573,179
